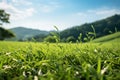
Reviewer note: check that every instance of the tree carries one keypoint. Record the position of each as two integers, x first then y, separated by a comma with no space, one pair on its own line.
71,39
4,18
50,39
5,33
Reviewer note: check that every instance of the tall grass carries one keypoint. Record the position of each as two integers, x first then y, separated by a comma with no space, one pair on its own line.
51,61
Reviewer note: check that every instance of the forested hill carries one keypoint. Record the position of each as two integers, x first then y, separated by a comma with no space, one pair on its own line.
102,27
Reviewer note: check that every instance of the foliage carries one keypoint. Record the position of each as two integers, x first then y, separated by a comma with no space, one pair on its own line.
44,61
38,38
54,36
4,18
50,39
5,34
71,39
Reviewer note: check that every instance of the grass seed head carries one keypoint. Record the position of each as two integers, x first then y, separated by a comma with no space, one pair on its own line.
6,67
8,53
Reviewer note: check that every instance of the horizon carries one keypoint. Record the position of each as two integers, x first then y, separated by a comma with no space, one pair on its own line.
43,15
58,28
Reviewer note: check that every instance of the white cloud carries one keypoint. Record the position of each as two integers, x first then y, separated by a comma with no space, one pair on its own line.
82,14
21,2
96,14
29,11
105,11
16,14
48,7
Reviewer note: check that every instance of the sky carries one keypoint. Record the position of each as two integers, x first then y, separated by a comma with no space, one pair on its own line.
44,14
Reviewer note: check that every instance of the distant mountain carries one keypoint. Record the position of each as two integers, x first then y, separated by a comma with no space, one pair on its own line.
23,33
102,27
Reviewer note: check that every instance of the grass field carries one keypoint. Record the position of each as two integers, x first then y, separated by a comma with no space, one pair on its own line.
109,38
59,61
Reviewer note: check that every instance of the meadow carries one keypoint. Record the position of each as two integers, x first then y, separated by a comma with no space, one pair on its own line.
59,61
109,38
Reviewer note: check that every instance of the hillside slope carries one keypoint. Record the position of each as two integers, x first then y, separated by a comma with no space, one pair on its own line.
111,37
23,33
102,27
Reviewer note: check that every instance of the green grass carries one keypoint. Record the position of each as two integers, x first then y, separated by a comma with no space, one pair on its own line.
59,61
113,37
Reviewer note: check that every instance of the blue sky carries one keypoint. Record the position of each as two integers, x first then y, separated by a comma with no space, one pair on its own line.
44,14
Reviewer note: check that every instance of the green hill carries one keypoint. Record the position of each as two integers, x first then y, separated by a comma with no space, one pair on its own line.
112,37
102,27
24,33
